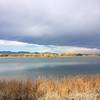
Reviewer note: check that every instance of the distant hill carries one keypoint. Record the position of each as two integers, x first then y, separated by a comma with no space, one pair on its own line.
25,52
10,52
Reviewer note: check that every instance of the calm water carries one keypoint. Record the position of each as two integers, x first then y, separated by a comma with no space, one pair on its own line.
27,68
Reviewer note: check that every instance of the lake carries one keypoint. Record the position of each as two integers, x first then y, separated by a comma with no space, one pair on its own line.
28,68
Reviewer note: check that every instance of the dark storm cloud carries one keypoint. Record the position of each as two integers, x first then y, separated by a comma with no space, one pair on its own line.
58,22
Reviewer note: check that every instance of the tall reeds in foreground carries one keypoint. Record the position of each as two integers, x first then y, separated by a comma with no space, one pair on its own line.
69,88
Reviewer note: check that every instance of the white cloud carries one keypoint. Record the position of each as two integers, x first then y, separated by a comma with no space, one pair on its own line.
6,45
84,50
12,43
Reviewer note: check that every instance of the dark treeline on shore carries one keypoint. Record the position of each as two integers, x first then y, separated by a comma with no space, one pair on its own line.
40,54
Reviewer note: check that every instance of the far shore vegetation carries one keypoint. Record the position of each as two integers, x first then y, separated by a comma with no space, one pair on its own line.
86,87
15,55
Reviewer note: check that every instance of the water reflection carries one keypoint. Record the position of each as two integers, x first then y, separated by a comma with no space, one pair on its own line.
33,67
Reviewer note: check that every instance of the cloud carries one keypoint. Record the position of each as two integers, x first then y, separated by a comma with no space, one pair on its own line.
34,20
6,45
15,46
84,50
12,43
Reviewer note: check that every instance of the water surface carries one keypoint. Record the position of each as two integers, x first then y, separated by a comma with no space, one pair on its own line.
27,68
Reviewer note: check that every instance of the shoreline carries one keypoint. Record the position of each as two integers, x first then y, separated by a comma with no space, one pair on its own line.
10,56
46,55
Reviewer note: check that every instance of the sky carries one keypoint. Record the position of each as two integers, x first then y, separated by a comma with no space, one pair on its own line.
16,46
60,23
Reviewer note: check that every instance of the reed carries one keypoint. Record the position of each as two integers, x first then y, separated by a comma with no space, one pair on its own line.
68,88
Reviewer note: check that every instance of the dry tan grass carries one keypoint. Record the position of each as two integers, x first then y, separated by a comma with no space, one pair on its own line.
69,88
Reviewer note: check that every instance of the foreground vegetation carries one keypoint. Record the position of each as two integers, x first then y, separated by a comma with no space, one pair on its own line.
69,88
